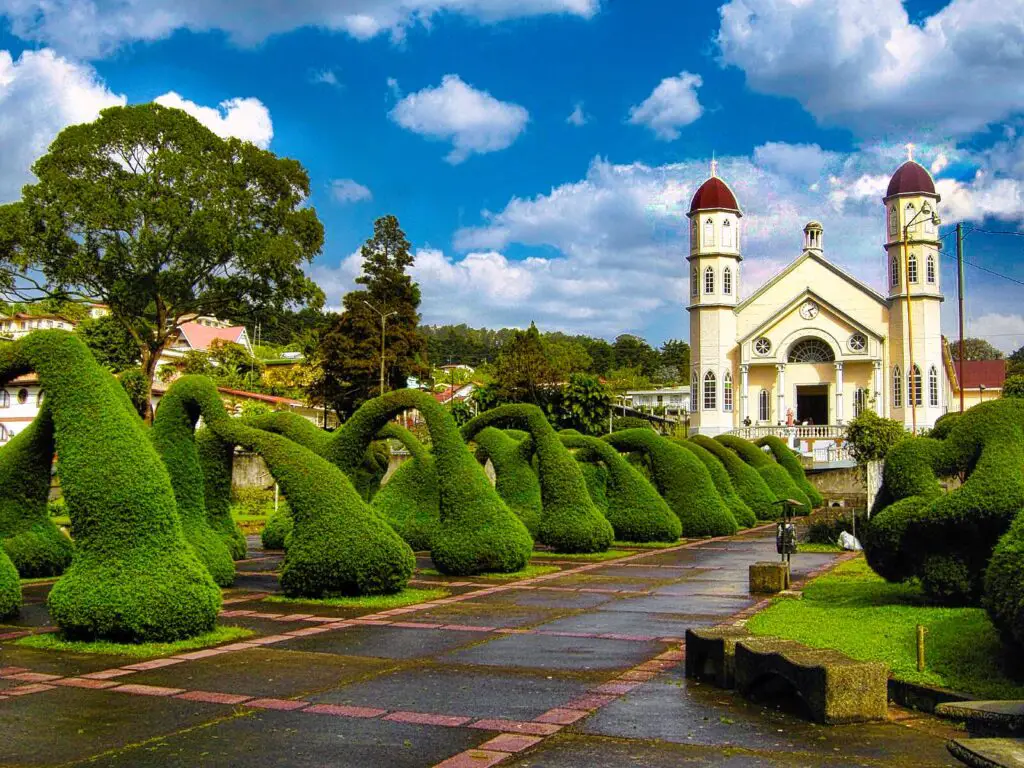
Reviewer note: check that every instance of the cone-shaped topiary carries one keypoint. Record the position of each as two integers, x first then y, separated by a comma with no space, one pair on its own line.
338,545
740,511
777,478
410,500
682,480
215,460
788,460
35,545
10,587
569,520
173,435
133,578
746,480
635,510
511,455
596,478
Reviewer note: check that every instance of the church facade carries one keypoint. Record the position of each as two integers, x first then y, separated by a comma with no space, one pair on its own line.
814,345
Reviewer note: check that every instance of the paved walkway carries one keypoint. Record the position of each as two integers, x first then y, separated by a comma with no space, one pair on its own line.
577,668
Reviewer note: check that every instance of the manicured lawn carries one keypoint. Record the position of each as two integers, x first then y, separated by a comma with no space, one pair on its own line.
648,544
408,596
54,642
593,557
828,548
855,611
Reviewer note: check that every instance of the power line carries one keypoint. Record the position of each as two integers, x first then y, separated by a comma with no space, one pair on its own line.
993,272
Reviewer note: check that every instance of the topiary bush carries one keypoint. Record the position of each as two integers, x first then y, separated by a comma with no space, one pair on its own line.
511,454
682,480
634,508
777,478
277,530
596,478
410,500
569,520
740,511
134,577
31,539
1004,588
620,423
216,459
10,587
789,461
747,481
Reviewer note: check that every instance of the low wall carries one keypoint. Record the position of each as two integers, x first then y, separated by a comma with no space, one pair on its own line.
841,486
250,471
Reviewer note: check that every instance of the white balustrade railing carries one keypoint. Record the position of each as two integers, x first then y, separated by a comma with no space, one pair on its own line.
801,432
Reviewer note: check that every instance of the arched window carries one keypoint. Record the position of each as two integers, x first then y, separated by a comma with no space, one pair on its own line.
5,398
709,233
693,233
897,388
22,396
709,280
694,388
811,351
860,401
39,398
914,386
4,434
727,281
894,272
764,406
930,269
727,392
710,391
929,225
933,387
727,234
912,268
693,282
908,214
894,224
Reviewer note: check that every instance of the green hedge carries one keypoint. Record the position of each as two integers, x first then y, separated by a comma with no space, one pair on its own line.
410,500
277,530
569,520
634,508
682,480
173,435
31,539
10,587
777,478
511,455
134,577
740,511
1004,587
746,480
216,459
596,478
789,461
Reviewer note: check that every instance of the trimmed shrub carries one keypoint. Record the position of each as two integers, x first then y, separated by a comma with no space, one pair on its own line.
173,435
746,480
569,520
215,460
596,478
10,587
511,455
277,530
682,480
620,423
777,478
740,511
790,462
134,578
410,500
1004,588
634,508
31,539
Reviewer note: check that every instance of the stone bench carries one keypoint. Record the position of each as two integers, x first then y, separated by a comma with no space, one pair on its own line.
835,688
988,753
711,653
986,718
769,577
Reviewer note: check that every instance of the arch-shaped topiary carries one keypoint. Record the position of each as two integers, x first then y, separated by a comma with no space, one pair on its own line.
788,460
749,484
682,480
596,478
511,454
410,500
34,544
569,521
777,478
215,461
635,510
10,587
740,511
133,578
338,545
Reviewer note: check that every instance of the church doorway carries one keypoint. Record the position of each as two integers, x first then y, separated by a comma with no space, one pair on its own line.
812,404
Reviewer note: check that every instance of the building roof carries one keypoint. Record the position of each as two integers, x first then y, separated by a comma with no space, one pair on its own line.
200,336
714,194
262,398
26,316
980,373
910,178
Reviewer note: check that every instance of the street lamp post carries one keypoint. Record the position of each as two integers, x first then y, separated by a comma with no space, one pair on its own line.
914,390
383,324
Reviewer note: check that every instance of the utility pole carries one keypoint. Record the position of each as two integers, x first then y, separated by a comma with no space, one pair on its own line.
960,297
383,324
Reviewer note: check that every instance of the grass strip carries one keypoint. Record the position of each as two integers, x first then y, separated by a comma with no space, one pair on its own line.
408,596
53,641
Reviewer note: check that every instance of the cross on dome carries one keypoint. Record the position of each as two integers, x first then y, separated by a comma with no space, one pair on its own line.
910,152
714,165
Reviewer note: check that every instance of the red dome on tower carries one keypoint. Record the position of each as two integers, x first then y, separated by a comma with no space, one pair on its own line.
910,179
714,194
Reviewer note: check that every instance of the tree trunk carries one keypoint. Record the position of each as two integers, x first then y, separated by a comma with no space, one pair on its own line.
150,358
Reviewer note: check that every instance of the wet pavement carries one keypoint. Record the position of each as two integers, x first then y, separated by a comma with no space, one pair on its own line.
577,668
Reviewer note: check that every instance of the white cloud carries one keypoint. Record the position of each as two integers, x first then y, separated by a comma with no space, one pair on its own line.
92,28
326,77
41,93
672,105
866,65
474,121
578,117
349,191
1003,331
244,118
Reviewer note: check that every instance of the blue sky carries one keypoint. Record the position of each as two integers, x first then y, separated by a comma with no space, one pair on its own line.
540,154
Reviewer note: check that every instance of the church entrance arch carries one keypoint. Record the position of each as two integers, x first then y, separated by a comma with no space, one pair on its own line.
812,404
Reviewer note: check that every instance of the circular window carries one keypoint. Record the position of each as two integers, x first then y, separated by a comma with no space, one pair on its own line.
762,346
858,343
22,396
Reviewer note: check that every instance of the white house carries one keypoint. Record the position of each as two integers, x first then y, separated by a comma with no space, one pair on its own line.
671,398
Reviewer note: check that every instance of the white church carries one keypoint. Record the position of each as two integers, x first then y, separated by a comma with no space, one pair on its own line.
814,346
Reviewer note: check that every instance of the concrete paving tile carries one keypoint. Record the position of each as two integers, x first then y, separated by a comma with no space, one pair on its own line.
384,642
550,652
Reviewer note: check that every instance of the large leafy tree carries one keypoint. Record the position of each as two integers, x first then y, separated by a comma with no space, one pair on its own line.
584,405
148,211
676,355
522,373
111,343
975,349
350,351
633,352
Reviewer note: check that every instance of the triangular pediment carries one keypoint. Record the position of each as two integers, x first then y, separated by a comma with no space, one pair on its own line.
814,258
